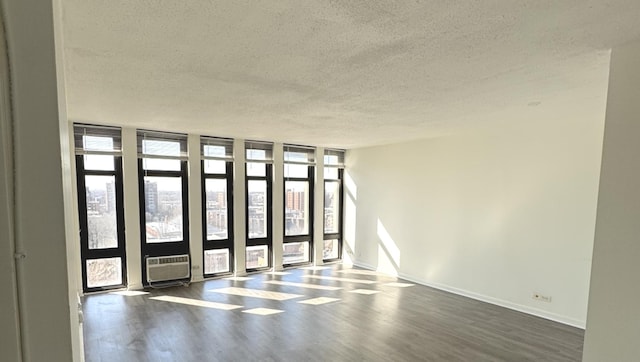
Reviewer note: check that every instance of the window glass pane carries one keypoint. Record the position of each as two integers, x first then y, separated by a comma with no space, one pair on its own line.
295,156
216,261
257,256
99,162
102,223
331,207
331,173
330,249
163,208
295,252
256,169
257,202
161,148
291,170
331,160
256,154
160,164
104,272
214,151
216,208
96,143
296,208
215,166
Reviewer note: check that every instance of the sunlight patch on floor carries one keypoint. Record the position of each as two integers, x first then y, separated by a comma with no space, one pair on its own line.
302,285
319,300
399,285
256,293
263,311
364,291
130,293
196,302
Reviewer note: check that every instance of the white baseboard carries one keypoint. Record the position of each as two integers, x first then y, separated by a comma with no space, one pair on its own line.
363,265
484,298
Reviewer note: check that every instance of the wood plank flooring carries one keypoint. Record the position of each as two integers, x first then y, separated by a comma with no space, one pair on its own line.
383,322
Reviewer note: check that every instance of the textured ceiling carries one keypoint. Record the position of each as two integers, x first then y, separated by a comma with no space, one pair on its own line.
334,73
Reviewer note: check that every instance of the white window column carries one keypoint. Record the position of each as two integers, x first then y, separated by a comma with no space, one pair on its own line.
278,206
239,208
318,208
195,208
131,207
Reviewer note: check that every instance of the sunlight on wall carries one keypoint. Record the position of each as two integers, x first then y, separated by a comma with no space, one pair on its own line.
350,186
388,252
349,242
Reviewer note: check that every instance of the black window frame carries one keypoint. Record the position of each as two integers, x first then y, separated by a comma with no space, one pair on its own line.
268,240
168,248
220,243
288,239
339,235
87,253
334,158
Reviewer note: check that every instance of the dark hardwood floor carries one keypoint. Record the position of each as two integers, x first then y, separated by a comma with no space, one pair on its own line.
398,323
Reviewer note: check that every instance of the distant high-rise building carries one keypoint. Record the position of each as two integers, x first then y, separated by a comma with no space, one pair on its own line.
151,196
111,197
295,200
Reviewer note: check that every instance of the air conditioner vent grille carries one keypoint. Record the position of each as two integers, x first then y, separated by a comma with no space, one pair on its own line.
165,268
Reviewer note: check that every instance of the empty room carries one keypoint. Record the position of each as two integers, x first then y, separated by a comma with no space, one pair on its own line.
319,180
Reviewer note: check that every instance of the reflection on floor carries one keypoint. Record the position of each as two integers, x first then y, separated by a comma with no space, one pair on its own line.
315,314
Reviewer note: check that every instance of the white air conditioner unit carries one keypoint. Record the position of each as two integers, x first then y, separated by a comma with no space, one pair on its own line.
165,268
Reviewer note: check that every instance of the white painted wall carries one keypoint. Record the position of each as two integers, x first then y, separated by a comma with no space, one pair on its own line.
69,192
495,213
613,324
9,321
44,292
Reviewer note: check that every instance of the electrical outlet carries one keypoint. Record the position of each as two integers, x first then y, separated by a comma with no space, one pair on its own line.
540,297
195,267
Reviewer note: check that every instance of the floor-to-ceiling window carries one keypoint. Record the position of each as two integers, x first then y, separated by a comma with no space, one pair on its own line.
217,205
333,169
259,178
298,204
99,178
162,171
